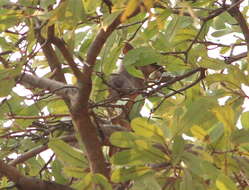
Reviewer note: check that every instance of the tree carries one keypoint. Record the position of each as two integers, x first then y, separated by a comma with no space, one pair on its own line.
157,123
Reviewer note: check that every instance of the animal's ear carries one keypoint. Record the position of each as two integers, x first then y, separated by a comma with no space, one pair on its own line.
127,47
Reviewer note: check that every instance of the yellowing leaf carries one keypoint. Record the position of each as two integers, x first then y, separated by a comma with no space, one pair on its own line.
74,172
198,132
124,174
148,4
142,127
130,8
90,5
225,183
225,114
160,23
245,119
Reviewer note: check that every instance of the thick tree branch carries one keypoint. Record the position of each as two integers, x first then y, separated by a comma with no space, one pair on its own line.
27,155
235,12
27,183
50,55
60,44
58,88
80,113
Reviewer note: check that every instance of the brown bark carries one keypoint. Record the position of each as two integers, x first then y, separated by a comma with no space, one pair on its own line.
27,183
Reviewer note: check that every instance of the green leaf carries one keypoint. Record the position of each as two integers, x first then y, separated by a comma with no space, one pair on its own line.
245,119
216,132
108,19
225,183
45,3
194,116
210,170
67,154
136,108
141,57
93,181
102,181
91,5
139,155
142,127
187,183
123,139
178,148
4,183
240,136
146,182
7,80
194,163
129,157
57,107
57,172
129,9
74,172
131,173
212,63
175,25
221,33
75,12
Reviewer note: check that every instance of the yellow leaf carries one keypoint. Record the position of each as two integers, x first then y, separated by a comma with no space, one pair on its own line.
160,23
130,8
225,114
198,132
148,4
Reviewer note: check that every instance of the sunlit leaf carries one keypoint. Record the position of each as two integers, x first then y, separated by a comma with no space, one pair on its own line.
124,174
123,139
245,119
142,127
90,5
67,154
74,172
58,173
130,8
225,114
93,181
225,183
198,132
212,63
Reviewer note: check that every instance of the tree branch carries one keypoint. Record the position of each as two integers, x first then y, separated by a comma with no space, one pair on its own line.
80,113
106,129
229,60
60,44
27,183
27,155
58,88
50,55
235,12
175,79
